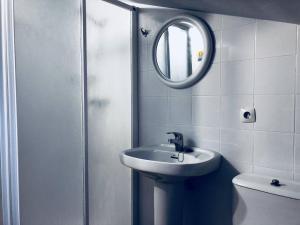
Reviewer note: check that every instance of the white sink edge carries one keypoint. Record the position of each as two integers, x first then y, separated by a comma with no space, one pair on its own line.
172,168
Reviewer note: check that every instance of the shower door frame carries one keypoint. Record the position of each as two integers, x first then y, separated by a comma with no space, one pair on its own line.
8,119
134,100
8,113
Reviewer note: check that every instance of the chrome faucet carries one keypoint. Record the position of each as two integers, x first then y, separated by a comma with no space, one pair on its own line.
177,141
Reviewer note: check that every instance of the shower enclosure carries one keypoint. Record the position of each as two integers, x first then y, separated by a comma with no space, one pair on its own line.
67,110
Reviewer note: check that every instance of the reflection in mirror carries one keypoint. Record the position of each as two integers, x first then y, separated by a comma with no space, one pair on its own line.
180,51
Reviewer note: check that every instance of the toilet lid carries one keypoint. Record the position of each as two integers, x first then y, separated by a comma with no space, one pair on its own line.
287,188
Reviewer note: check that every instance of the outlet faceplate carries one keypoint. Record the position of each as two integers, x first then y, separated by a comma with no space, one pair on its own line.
247,115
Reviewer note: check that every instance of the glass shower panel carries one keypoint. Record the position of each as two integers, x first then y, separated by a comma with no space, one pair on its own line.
109,112
49,103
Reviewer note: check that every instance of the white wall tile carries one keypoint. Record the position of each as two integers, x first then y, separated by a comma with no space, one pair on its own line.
143,58
180,110
297,153
297,116
298,74
206,111
238,43
152,135
237,145
202,137
199,112
274,112
272,173
273,150
206,137
154,110
298,38
237,77
233,21
241,167
210,83
217,57
230,111
153,19
297,177
150,85
150,64
179,92
275,75
275,39
213,20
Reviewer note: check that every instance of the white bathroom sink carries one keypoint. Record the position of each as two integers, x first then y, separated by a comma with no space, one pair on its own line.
161,160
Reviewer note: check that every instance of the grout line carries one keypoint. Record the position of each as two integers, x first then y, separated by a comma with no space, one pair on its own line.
253,97
295,103
274,170
216,127
273,131
220,87
232,95
274,56
231,28
257,58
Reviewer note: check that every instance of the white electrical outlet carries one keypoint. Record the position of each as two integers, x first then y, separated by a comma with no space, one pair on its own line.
247,115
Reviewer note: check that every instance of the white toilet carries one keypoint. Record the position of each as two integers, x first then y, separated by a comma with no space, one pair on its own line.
257,202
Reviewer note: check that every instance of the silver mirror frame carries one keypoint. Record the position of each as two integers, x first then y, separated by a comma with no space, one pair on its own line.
208,47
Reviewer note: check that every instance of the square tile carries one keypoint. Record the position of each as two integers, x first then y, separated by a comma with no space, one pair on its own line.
213,20
297,153
241,167
217,36
229,22
206,138
275,38
298,73
237,77
180,110
143,58
154,110
150,85
201,137
152,135
237,145
275,75
274,113
206,111
274,150
230,111
273,173
298,40
238,43
150,64
297,177
153,18
179,92
297,116
210,83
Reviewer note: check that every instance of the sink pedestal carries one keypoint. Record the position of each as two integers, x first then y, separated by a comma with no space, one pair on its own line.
161,164
168,203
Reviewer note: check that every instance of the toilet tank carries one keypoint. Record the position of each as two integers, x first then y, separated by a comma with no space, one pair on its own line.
257,202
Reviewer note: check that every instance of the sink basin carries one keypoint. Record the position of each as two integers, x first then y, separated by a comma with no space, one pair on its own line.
163,160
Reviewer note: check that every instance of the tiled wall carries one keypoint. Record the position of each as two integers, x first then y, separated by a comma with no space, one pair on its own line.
255,65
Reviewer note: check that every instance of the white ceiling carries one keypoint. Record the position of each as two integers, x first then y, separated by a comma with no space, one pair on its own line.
280,10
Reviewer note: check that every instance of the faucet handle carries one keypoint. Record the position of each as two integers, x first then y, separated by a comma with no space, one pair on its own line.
176,134
178,141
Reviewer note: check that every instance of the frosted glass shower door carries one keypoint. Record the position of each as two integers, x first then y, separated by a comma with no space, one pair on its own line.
109,90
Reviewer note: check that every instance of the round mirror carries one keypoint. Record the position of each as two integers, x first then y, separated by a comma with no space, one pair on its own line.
182,51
